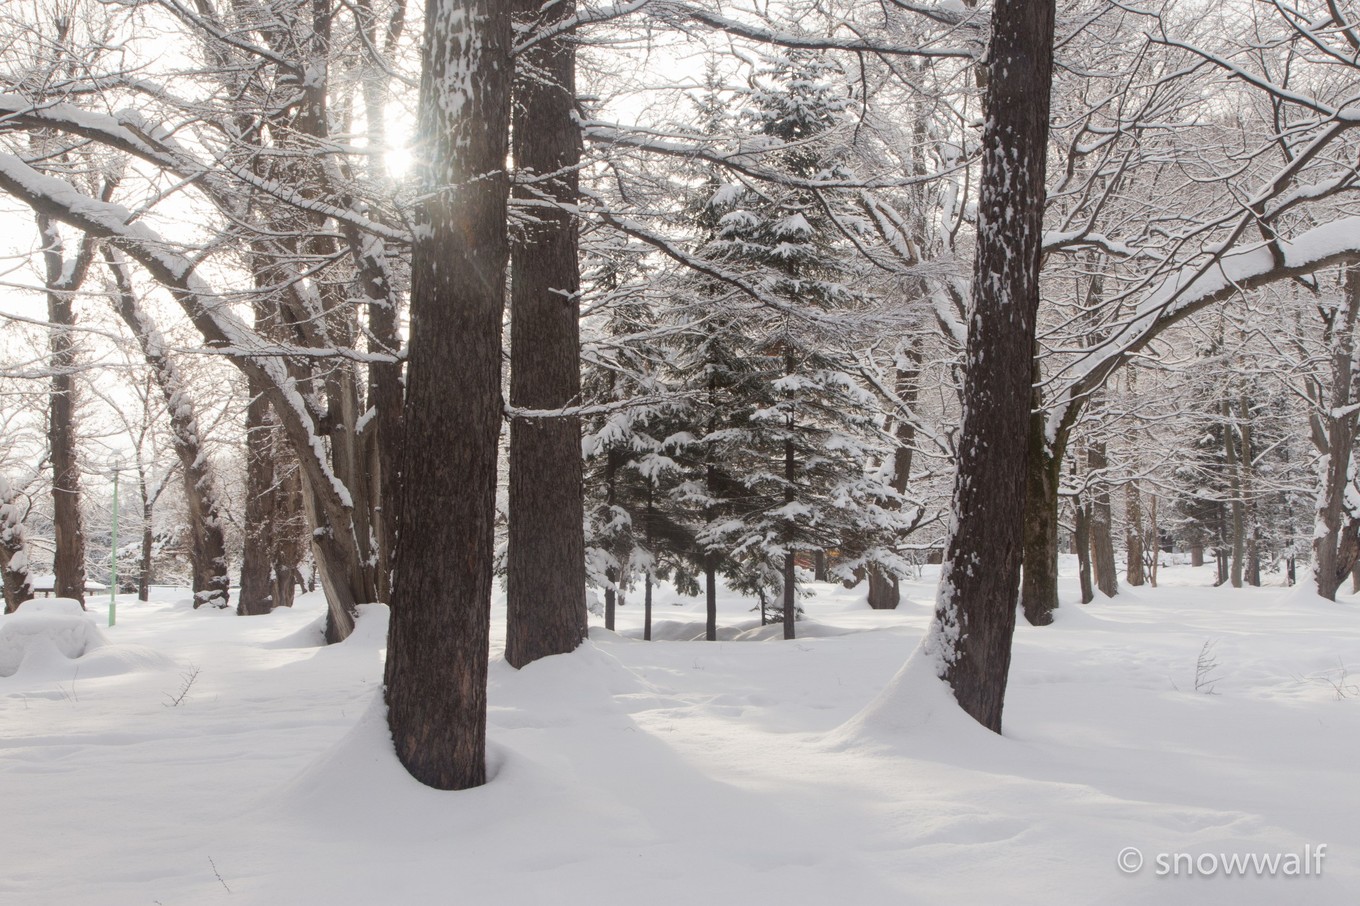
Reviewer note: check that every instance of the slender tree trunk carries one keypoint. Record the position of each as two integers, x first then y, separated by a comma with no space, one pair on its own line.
979,584
1039,578
611,573
546,582
1246,458
1082,537
1238,520
884,590
148,545
647,606
790,566
1154,533
1102,534
1133,535
441,601
711,556
207,541
711,596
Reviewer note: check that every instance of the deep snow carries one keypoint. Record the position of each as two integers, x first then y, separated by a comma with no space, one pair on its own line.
682,772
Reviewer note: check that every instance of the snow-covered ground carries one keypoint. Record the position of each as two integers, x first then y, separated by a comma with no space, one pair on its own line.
680,772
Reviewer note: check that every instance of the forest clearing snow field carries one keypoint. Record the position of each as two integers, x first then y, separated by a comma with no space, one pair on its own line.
682,772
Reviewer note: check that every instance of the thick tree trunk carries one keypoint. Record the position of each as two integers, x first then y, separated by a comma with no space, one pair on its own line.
1102,533
68,558
289,535
441,599
1039,577
979,584
819,572
885,592
545,565
1197,553
256,593
18,587
14,574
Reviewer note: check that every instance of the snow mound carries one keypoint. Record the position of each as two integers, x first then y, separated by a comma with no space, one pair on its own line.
914,713
370,631
118,660
44,635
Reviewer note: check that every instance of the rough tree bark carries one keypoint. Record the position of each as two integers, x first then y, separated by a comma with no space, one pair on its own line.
1133,536
1081,537
255,595
884,590
545,558
207,543
1102,518
1043,465
1334,433
68,558
441,597
18,586
979,584
1238,521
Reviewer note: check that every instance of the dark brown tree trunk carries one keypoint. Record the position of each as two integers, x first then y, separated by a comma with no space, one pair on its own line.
647,606
288,536
1197,553
148,544
256,593
14,571
884,590
1133,535
790,564
68,558
441,599
1334,433
1082,536
819,573
1102,532
18,587
1039,577
710,596
545,562
611,574
975,611
1154,558
1238,520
